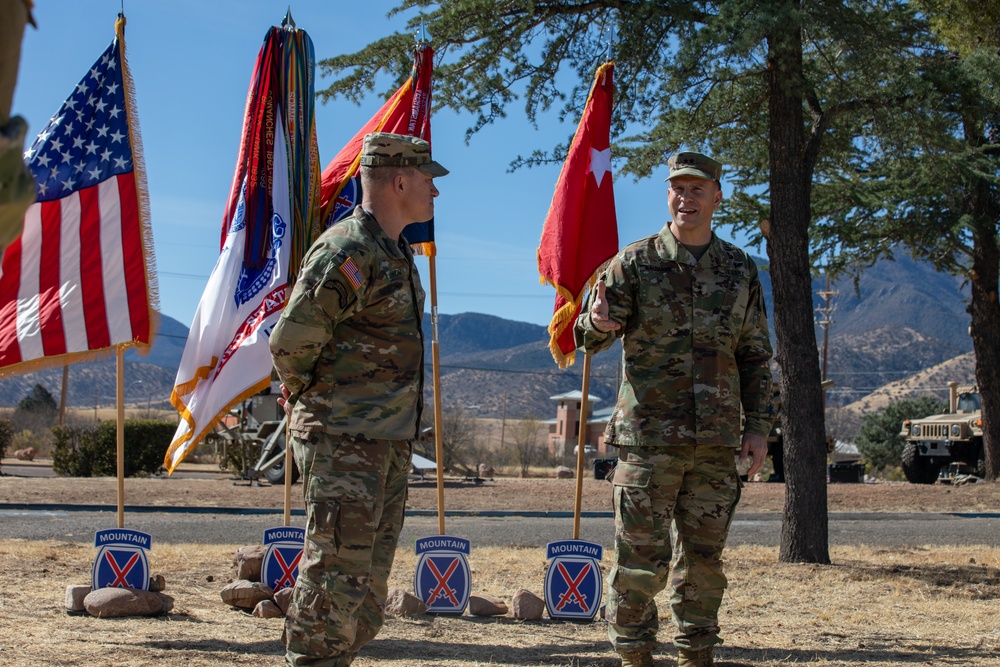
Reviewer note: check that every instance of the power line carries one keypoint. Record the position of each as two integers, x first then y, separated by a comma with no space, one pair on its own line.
577,376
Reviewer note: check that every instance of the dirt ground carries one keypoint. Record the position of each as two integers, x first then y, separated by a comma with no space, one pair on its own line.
540,494
872,607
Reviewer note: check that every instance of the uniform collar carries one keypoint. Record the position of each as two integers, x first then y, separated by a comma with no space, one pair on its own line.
672,250
391,248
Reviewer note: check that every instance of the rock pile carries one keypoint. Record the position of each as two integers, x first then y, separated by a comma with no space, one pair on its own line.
247,592
119,602
26,454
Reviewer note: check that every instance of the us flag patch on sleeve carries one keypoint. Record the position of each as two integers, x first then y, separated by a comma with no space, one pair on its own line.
351,272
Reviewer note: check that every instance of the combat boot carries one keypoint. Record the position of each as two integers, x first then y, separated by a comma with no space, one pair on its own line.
641,659
695,657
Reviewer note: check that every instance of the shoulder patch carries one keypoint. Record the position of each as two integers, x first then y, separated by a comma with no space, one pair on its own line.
339,289
352,273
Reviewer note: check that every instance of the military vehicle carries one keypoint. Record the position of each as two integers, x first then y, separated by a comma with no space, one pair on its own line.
935,442
256,436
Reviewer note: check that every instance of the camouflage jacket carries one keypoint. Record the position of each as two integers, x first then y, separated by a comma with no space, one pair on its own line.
349,344
695,344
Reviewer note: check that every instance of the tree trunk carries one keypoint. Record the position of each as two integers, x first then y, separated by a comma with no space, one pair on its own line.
985,327
804,530
986,343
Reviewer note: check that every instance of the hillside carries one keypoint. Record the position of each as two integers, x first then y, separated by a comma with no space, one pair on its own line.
934,381
900,320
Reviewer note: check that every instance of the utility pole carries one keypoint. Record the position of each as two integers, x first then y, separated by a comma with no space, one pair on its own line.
503,421
824,321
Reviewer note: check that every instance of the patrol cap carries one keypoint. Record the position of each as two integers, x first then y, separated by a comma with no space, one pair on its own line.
384,149
694,164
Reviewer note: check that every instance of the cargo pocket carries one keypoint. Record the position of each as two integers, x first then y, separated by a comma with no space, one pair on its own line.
632,475
344,505
633,507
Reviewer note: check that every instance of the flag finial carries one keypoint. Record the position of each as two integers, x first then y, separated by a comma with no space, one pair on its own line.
288,22
422,37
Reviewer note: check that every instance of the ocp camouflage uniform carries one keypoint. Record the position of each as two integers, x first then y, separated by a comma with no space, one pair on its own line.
349,346
17,185
696,349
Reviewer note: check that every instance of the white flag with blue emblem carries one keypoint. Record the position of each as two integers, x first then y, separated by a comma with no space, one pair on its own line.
226,358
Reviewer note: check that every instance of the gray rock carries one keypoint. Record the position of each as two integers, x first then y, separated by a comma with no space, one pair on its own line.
74,597
26,454
247,562
283,598
400,603
486,605
120,602
157,583
562,472
527,605
245,594
267,609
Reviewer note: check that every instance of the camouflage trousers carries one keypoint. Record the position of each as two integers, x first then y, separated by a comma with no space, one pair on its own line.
673,507
355,494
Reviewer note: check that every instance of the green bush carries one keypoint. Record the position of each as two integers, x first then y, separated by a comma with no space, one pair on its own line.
879,441
90,451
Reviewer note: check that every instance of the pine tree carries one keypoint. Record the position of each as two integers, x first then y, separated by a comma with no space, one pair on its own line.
778,90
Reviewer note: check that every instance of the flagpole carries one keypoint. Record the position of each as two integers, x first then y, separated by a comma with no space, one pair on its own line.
120,449
438,419
288,472
62,394
581,441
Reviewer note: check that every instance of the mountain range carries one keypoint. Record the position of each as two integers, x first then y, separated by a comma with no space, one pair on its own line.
900,319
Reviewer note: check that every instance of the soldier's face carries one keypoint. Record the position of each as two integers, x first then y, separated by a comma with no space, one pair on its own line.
692,202
422,192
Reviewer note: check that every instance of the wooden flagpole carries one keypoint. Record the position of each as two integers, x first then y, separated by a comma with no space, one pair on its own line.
120,449
288,471
581,441
438,419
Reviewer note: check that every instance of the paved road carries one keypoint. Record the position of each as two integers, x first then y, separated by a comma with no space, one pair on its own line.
43,468
910,529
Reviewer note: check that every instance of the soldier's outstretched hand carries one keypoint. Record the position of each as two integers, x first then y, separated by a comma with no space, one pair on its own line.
599,311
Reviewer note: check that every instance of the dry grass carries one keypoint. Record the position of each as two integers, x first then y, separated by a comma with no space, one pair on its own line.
872,608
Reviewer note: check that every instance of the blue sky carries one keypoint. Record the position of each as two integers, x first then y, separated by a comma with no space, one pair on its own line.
191,62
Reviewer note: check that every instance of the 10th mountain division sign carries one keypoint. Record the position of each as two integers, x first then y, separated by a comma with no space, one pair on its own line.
573,582
280,567
443,579
121,559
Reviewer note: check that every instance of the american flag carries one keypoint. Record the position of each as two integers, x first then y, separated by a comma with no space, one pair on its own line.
77,280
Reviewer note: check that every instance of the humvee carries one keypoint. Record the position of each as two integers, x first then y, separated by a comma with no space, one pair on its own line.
934,442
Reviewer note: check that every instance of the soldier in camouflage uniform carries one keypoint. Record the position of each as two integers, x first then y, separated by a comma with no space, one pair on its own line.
17,186
689,310
349,351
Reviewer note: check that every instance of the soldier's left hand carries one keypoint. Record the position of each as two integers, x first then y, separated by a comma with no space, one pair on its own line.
756,447
283,401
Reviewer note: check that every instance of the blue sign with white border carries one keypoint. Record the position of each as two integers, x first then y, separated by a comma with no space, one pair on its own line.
573,583
280,567
121,560
443,579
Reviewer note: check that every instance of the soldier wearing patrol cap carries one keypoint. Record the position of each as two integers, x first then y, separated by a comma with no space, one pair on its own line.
349,351
689,310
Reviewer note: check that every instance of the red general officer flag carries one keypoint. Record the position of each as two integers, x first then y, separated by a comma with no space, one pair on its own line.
79,280
581,229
